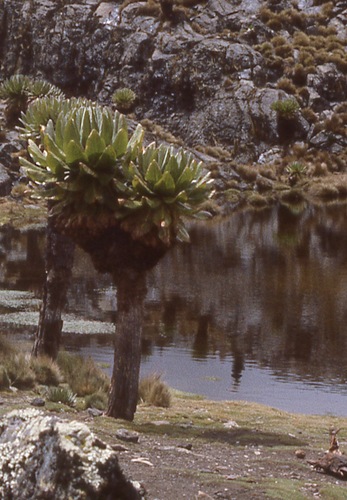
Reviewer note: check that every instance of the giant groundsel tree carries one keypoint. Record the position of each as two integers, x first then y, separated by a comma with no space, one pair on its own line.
123,202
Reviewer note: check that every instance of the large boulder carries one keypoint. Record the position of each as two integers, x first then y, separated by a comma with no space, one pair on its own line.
44,457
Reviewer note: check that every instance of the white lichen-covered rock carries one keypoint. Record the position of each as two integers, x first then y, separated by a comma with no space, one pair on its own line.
44,457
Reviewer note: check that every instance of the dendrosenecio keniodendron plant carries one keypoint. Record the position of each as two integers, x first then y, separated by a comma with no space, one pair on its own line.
96,175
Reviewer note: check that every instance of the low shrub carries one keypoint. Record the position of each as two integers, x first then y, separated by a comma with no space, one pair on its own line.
82,374
96,400
4,380
154,391
19,372
6,347
46,371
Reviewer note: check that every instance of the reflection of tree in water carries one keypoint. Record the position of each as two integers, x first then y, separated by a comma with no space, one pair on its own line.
200,348
21,258
270,286
274,276
238,363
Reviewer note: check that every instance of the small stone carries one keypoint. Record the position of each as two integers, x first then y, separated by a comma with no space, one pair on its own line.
160,422
187,446
38,402
129,436
119,447
230,425
94,412
300,453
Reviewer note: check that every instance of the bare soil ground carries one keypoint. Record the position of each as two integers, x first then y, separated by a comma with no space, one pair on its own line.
200,449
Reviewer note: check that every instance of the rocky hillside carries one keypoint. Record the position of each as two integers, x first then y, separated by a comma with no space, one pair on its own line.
257,85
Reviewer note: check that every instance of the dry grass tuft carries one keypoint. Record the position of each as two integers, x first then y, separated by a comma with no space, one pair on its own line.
96,400
46,371
154,391
82,375
18,370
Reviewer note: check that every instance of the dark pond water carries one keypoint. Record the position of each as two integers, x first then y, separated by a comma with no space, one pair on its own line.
254,309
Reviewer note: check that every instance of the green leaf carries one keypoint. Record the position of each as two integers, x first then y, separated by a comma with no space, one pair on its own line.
202,215
153,203
73,186
74,152
92,194
165,186
141,187
107,159
51,146
146,156
131,204
205,180
162,217
182,197
48,128
34,172
121,187
185,178
137,138
172,168
182,234
153,174
163,155
86,169
70,133
120,143
36,154
55,165
85,127
95,146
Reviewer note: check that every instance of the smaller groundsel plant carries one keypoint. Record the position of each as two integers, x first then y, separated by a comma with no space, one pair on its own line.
42,110
63,395
124,99
286,108
19,90
295,172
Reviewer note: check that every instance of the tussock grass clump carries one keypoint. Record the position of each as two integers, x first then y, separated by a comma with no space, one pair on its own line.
4,380
82,374
286,85
154,391
46,371
257,200
6,347
324,191
19,372
247,172
96,400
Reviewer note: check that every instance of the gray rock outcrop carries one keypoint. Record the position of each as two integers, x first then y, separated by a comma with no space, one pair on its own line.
44,457
209,75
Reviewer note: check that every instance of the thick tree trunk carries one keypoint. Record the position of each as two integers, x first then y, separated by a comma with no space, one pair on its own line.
59,261
131,291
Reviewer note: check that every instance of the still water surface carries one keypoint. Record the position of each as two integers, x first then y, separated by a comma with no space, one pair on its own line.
254,309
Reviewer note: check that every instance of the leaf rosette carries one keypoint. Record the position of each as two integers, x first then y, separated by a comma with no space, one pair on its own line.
97,176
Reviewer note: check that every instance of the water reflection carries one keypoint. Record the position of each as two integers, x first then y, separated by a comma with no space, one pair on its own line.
258,297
